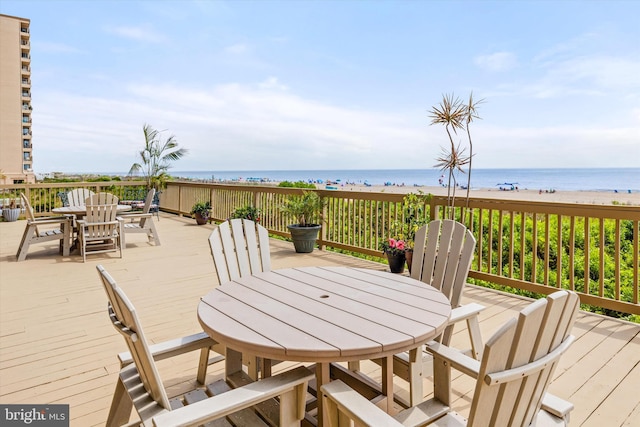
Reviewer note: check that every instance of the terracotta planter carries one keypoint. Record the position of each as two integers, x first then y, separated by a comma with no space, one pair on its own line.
396,262
201,220
408,254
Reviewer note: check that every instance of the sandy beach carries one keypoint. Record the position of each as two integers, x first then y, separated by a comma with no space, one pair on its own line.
587,197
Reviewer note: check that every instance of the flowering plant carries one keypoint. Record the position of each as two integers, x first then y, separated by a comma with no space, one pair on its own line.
394,246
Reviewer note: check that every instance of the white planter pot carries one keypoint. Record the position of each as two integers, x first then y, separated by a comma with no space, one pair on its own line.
11,214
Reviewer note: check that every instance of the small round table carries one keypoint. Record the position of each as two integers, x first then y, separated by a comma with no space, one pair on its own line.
324,315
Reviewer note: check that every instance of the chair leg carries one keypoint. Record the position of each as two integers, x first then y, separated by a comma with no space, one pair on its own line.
152,229
202,365
475,336
121,406
25,242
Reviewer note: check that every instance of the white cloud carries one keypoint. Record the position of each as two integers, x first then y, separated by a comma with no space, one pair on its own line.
143,33
499,61
237,49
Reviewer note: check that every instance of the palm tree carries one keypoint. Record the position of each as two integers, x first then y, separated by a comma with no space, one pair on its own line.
156,157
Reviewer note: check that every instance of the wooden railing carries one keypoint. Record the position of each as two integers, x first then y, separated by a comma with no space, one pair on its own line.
533,246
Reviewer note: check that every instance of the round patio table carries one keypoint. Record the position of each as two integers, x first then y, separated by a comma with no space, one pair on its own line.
324,315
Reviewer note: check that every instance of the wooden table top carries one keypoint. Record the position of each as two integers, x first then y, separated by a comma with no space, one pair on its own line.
81,209
324,314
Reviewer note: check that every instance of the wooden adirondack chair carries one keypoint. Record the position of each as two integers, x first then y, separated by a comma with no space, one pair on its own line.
141,222
517,365
239,247
140,386
101,199
442,257
39,230
100,230
78,196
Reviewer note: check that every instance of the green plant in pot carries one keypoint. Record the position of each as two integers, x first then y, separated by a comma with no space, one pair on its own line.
305,210
201,212
247,212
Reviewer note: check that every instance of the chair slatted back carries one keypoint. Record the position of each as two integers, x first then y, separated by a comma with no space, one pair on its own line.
101,222
519,361
442,257
28,210
147,205
101,199
239,247
124,319
78,196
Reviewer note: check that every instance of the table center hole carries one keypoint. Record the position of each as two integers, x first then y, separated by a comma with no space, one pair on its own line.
324,296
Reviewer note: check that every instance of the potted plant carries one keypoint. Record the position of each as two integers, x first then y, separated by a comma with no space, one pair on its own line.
201,211
395,250
247,212
11,213
304,209
414,215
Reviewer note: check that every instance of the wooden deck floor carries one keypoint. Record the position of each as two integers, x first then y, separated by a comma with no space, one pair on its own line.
58,346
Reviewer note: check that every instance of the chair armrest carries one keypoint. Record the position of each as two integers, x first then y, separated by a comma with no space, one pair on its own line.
50,220
171,348
458,360
354,406
126,215
465,312
556,405
240,398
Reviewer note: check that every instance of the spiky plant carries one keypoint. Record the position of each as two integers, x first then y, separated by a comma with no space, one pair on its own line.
454,115
156,157
450,113
471,114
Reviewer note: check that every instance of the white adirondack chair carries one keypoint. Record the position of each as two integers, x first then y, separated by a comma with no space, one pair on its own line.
39,230
239,247
100,230
141,222
140,386
442,257
517,365
77,196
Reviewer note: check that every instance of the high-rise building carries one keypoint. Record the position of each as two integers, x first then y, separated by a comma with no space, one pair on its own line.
16,149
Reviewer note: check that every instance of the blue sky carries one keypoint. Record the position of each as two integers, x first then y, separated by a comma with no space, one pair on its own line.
264,85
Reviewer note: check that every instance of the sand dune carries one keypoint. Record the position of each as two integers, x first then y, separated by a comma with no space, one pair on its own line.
588,197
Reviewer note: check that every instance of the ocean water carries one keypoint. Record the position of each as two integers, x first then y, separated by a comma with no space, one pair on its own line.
600,179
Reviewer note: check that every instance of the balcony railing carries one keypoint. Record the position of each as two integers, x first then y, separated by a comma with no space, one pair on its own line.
531,246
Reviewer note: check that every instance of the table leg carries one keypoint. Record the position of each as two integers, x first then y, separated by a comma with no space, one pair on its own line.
387,382
232,362
415,372
323,376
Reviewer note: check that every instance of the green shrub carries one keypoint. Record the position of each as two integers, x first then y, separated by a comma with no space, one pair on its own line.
247,212
297,184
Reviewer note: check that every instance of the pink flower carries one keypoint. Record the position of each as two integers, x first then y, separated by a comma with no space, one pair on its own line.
400,245
392,243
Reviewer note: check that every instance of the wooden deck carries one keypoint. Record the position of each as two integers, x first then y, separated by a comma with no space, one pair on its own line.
58,346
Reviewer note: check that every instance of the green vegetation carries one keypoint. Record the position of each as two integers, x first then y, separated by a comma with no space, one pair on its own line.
202,208
247,212
297,184
415,214
304,209
568,249
156,158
